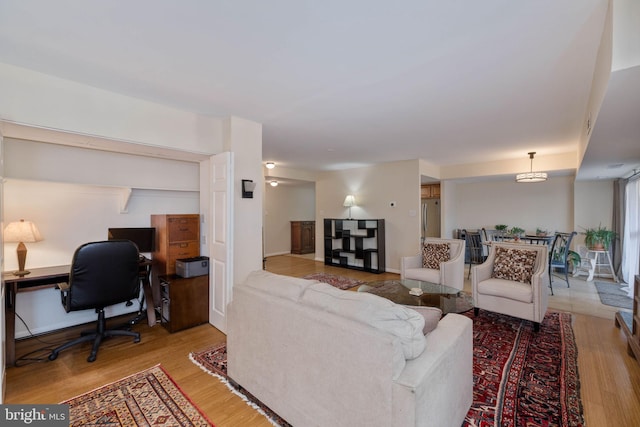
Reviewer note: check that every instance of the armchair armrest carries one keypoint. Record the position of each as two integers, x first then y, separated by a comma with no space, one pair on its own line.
410,262
452,271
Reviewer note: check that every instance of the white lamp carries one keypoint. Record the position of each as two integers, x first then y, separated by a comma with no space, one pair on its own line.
20,232
270,165
349,201
531,176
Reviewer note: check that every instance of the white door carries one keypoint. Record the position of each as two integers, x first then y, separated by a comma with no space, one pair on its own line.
221,223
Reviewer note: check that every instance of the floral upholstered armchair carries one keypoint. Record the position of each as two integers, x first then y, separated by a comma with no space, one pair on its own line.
512,281
441,261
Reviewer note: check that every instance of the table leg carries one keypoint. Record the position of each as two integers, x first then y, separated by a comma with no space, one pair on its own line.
10,323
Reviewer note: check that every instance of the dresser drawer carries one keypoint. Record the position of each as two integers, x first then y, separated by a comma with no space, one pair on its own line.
183,250
183,229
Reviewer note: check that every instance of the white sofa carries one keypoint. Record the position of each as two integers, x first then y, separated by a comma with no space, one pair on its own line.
320,356
450,273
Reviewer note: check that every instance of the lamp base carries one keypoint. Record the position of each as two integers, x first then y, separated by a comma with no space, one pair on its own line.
21,273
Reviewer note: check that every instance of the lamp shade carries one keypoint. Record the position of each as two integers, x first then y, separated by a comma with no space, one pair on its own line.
21,231
349,201
531,176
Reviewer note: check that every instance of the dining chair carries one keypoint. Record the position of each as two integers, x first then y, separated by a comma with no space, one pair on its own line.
559,256
475,248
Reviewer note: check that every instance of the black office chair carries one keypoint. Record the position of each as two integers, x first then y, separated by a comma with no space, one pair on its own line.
102,274
559,256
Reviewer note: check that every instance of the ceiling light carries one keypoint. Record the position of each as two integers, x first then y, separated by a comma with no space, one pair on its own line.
270,165
273,183
531,176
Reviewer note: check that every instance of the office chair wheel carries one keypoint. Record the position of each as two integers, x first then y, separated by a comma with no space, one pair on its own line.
136,339
53,355
91,358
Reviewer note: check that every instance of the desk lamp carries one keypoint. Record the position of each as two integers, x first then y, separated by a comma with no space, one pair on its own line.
20,232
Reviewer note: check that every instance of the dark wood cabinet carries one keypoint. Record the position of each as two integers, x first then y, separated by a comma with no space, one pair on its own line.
303,237
185,301
355,243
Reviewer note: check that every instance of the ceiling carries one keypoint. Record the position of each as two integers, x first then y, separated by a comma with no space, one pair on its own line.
339,84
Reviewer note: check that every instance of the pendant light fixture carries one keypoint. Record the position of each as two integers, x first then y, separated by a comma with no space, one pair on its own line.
531,176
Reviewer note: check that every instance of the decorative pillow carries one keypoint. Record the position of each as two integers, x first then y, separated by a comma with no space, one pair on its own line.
432,316
514,264
435,253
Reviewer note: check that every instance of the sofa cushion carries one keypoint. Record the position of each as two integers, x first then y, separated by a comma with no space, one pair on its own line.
511,289
514,264
435,253
432,316
287,287
395,319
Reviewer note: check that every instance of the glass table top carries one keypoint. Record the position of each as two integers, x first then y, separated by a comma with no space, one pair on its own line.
447,299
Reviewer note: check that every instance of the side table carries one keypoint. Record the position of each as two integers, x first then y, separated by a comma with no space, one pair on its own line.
603,259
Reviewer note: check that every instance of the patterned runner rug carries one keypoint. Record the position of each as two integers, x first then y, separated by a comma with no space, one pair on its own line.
339,282
521,378
147,398
524,378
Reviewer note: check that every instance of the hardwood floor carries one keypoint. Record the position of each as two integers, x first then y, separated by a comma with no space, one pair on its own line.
610,378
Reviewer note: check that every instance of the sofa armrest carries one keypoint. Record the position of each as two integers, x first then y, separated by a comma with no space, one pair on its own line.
410,262
438,385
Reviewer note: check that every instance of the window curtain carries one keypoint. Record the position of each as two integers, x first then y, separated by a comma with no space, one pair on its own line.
618,225
631,237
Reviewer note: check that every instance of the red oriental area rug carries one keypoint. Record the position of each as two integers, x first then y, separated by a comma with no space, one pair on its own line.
524,378
521,378
147,398
339,282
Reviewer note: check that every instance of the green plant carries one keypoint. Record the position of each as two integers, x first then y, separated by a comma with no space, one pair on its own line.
574,260
599,238
516,231
541,232
501,227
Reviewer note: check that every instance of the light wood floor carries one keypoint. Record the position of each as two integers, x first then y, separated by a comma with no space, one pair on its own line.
610,378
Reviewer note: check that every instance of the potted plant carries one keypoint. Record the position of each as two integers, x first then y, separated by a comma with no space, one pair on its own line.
574,260
541,233
599,239
516,232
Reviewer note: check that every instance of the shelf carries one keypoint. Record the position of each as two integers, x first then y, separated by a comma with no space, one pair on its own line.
355,243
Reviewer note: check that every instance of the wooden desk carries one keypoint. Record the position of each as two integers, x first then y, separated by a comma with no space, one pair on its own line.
49,277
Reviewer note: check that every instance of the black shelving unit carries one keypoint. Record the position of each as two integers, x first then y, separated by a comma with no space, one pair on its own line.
355,243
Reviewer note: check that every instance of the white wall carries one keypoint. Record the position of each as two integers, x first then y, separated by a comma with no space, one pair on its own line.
547,205
33,98
68,215
593,205
282,204
375,187
59,163
244,139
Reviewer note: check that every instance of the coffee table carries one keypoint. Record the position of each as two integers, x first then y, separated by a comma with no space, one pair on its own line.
447,299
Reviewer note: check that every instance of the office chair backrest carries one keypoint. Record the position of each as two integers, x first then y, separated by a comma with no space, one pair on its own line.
102,274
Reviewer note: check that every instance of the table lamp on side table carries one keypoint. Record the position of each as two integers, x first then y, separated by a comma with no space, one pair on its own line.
20,232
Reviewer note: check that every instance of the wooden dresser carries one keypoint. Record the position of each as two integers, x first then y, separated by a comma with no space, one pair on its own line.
177,237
